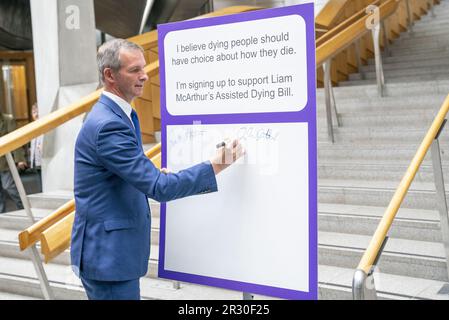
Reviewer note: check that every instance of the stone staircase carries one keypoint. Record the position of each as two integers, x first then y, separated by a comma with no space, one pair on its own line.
358,175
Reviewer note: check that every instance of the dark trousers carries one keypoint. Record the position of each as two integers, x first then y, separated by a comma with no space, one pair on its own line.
8,185
112,290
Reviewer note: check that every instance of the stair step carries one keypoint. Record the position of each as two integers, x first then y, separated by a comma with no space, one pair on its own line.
375,172
419,36
437,87
412,51
411,224
411,58
19,220
50,200
415,64
375,152
376,193
399,79
412,72
406,104
408,47
418,259
425,33
388,286
10,296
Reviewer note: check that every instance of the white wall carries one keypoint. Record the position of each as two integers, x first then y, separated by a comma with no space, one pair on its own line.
66,70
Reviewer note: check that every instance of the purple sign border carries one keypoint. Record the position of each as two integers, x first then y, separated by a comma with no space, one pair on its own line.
308,114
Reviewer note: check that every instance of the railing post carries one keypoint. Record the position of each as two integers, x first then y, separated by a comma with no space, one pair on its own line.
334,107
432,9
247,296
386,41
19,185
363,286
329,97
176,285
33,252
411,20
360,289
378,57
441,195
358,57
40,271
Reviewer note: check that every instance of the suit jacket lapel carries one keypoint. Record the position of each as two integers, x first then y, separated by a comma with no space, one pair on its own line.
117,110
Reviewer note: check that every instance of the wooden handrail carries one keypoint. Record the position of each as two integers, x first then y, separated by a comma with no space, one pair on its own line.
55,238
344,24
32,234
330,13
19,137
228,11
373,249
349,35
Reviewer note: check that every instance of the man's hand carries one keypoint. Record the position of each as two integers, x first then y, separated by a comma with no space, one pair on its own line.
22,165
227,155
165,170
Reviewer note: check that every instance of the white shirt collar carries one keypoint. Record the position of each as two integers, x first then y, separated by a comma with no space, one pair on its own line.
125,106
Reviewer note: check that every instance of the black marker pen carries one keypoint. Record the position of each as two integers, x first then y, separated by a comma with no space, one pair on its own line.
221,144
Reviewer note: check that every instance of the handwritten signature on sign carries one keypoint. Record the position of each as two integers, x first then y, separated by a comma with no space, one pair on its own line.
245,133
268,134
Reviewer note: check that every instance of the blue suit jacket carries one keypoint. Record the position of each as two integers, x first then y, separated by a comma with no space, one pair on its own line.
113,178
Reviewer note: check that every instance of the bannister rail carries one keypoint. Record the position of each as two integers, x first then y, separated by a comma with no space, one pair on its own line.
350,34
373,249
330,13
344,24
32,234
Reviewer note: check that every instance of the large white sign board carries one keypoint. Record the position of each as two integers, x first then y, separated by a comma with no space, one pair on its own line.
249,76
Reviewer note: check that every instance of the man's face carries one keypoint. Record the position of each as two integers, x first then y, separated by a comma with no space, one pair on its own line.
131,76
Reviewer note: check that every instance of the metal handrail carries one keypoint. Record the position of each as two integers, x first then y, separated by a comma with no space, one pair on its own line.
364,269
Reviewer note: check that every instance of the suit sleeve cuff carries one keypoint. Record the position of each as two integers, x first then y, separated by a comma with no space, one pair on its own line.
209,178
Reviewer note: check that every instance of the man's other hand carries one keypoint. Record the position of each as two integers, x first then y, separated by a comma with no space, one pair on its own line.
22,165
227,155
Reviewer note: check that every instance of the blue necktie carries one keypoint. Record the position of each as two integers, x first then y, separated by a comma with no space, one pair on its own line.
135,120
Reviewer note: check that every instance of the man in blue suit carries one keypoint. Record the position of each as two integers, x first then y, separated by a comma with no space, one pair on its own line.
111,233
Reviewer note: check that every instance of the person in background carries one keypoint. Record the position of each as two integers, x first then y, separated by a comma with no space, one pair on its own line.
36,148
8,124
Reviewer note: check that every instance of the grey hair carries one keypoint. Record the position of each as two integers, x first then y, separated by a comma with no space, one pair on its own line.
108,55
